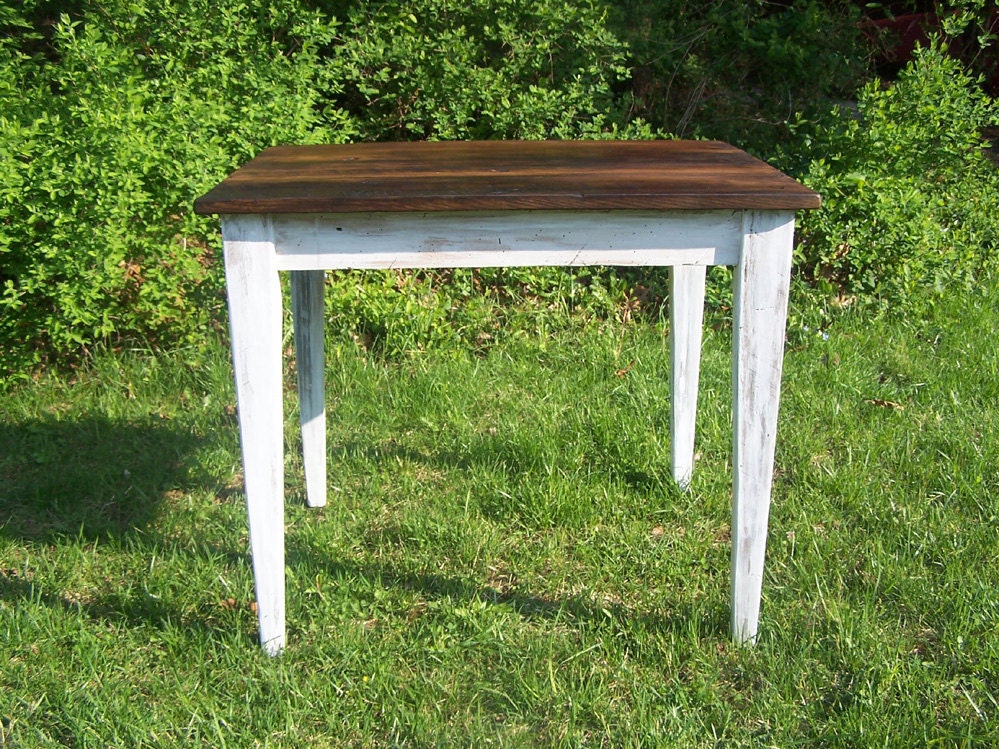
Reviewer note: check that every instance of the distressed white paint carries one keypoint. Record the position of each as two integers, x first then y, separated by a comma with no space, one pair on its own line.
686,321
482,240
255,320
307,312
257,247
761,291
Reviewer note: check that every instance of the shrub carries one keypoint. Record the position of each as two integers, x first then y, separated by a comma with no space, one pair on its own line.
106,138
739,71
113,119
910,199
477,69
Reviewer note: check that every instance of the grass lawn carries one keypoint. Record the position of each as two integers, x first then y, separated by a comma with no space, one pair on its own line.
504,560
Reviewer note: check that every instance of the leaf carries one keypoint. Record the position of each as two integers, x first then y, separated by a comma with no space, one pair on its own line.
881,403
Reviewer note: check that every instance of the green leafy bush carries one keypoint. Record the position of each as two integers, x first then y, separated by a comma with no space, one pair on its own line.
739,71
475,69
107,135
114,117
910,199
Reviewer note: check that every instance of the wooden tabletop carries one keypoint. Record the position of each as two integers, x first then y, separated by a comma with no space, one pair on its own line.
505,175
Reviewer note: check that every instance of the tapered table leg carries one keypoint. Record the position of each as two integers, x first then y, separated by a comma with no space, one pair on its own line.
761,282
307,312
686,320
255,321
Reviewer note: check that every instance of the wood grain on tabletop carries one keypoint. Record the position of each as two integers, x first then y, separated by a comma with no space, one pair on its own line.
505,175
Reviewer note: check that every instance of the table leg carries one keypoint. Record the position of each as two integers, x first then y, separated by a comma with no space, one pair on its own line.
761,290
255,320
307,311
686,321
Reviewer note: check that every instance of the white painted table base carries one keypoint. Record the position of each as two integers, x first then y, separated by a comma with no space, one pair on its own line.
258,247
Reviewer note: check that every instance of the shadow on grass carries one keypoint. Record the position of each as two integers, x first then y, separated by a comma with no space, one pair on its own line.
91,477
131,609
520,461
97,478
674,618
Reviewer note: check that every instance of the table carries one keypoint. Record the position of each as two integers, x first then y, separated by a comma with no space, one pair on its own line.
683,204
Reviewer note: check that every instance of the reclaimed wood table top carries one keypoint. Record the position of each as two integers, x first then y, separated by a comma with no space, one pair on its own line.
505,176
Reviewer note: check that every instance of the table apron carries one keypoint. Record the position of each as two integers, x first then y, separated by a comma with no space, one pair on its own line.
500,239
